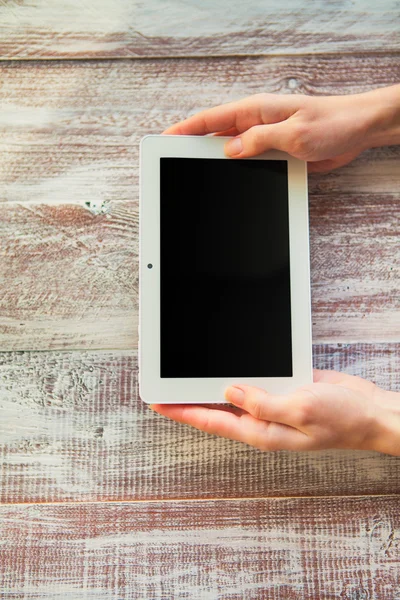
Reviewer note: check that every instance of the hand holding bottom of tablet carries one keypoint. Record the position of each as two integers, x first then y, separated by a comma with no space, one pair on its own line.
336,411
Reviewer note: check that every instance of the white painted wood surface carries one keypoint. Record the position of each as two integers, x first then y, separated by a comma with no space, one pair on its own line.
270,549
73,428
71,278
69,130
69,191
120,28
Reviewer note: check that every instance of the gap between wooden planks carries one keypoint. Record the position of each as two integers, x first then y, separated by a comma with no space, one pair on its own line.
200,499
236,55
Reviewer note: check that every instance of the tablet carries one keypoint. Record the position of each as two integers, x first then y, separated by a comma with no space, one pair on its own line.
224,280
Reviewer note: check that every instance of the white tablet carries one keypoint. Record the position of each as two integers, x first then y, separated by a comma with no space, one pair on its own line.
224,271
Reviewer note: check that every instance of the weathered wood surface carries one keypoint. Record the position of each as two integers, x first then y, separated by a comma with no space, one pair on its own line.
69,131
299,549
118,28
72,427
69,186
71,278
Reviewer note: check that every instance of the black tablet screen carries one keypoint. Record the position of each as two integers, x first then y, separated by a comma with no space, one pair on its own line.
225,278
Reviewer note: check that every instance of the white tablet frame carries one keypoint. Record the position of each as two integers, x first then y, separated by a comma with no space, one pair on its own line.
154,389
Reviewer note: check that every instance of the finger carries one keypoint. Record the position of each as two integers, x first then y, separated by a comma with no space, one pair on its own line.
219,118
241,427
240,114
283,437
219,422
229,132
258,139
262,405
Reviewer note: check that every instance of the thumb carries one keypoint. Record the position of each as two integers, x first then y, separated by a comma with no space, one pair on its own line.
257,140
260,404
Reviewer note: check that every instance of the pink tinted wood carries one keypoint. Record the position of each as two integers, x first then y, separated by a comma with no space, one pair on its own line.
70,277
73,428
70,153
70,130
271,549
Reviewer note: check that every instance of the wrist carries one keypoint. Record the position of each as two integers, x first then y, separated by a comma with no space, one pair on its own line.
386,431
381,110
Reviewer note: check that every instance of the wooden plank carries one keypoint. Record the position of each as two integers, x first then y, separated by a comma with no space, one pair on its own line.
111,101
71,277
119,28
355,267
69,136
254,549
69,131
73,427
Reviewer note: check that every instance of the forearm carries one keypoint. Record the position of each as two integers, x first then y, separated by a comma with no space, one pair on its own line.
387,431
382,109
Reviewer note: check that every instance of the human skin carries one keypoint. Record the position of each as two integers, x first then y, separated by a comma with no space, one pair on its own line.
336,410
325,131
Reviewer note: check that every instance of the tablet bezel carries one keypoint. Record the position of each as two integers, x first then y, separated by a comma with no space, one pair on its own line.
154,389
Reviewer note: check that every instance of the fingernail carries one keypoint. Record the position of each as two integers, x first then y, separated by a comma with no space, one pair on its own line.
235,146
235,395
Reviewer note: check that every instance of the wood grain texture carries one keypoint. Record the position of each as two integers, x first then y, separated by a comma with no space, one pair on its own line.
298,549
71,277
73,428
355,267
118,28
69,131
69,185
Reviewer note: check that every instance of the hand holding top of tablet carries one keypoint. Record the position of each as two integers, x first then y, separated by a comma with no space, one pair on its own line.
337,410
325,131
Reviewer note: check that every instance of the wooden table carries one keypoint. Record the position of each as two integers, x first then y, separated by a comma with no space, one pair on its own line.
102,498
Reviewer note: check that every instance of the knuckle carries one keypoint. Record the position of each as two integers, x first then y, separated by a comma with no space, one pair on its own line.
255,408
265,439
300,138
256,139
205,423
269,442
256,403
305,408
